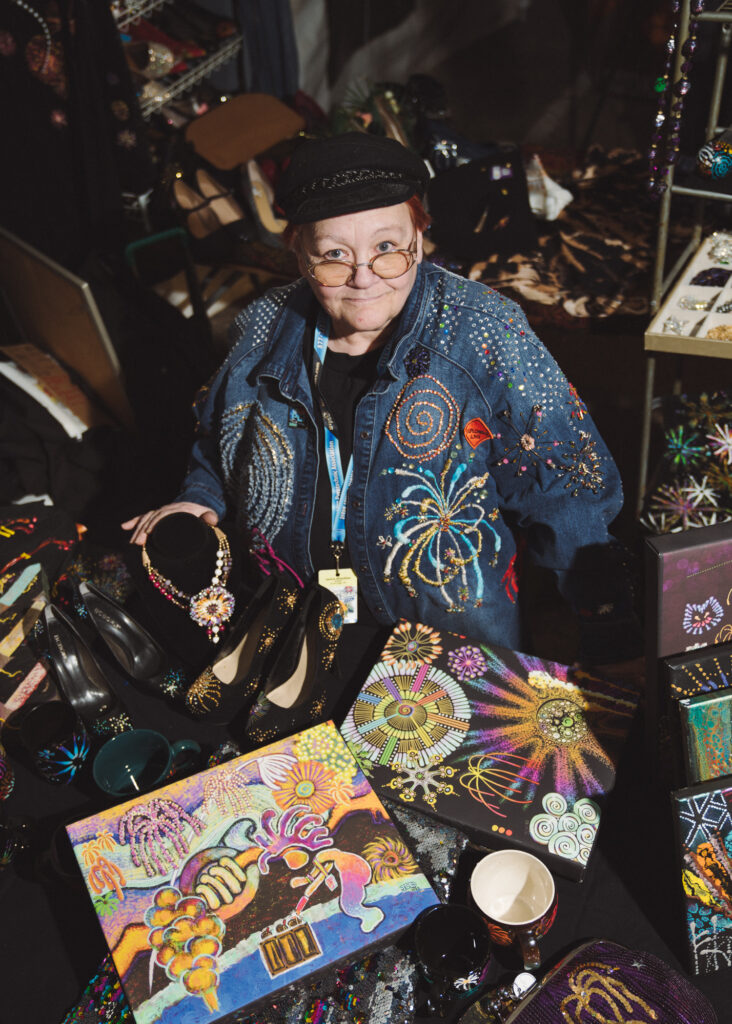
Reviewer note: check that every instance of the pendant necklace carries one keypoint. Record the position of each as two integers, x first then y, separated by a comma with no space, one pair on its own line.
212,607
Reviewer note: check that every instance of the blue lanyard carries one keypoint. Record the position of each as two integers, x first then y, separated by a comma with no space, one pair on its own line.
339,483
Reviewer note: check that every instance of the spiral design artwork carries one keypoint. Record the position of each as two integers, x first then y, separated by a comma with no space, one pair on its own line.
554,804
423,420
704,158
722,163
587,811
567,833
564,844
542,828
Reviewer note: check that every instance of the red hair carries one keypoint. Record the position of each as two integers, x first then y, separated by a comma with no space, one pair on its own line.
420,220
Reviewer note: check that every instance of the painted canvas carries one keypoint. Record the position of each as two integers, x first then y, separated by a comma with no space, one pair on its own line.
513,749
703,819
699,671
217,891
706,728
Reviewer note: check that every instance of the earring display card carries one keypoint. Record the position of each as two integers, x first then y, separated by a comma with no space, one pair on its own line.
514,750
706,727
220,890
703,820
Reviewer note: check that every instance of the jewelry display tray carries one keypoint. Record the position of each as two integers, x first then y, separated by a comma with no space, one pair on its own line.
692,337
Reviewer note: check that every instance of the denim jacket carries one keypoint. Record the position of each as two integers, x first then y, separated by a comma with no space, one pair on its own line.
470,437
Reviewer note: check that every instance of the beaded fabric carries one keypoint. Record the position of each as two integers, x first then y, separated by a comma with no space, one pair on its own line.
379,987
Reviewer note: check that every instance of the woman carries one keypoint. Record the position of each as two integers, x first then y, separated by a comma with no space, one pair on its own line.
385,415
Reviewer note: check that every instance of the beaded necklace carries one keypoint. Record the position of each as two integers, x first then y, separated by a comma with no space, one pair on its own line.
42,22
212,607
665,141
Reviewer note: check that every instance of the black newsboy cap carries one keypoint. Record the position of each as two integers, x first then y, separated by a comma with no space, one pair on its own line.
348,173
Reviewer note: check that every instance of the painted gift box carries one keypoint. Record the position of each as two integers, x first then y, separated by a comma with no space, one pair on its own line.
706,729
219,890
700,671
515,750
688,595
689,589
703,820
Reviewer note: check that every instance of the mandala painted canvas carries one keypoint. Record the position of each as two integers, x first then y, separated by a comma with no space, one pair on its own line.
703,818
219,890
513,749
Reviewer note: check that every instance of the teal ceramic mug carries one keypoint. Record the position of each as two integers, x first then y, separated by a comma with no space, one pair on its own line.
137,761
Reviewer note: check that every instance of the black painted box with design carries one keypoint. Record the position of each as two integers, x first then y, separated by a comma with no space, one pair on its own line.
515,750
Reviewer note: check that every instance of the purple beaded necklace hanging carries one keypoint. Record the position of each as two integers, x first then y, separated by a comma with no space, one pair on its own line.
666,137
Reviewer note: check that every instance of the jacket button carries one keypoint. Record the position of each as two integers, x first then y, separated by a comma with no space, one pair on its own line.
363,567
356,503
364,435
379,609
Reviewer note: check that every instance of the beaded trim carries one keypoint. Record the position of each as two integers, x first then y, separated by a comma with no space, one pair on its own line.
212,607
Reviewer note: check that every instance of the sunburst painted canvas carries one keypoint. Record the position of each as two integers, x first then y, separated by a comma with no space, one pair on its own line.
703,818
219,890
513,749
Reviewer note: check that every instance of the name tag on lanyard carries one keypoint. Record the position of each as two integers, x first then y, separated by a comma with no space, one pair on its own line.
341,582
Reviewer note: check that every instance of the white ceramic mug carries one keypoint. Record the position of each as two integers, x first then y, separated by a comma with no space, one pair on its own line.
516,894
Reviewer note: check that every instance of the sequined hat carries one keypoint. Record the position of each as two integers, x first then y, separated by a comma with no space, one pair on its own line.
348,173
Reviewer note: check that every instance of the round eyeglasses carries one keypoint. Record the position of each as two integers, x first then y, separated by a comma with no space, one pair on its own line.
333,273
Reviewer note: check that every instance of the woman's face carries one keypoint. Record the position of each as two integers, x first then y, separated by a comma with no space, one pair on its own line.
367,303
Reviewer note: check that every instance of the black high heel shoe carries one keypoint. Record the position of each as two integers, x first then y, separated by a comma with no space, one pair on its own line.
302,686
139,654
80,678
223,688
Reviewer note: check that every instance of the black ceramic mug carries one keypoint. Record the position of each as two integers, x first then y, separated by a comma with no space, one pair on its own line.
453,947
56,740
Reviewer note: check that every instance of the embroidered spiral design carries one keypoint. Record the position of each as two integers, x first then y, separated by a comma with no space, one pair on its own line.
423,420
554,804
542,827
564,844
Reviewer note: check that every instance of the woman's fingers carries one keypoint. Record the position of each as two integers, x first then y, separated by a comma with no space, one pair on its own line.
143,525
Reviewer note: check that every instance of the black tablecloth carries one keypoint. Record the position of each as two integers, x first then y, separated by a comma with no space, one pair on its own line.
51,943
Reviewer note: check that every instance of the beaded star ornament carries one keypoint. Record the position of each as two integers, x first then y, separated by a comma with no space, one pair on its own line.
212,607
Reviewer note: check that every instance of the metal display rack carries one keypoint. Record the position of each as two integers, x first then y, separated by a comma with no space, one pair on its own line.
654,339
133,10
187,79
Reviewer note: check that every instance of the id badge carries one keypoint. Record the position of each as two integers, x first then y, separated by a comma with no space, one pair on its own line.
344,585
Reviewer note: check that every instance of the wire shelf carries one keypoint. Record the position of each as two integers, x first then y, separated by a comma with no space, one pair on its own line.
136,9
182,83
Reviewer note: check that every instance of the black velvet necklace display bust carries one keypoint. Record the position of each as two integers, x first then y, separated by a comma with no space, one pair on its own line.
183,549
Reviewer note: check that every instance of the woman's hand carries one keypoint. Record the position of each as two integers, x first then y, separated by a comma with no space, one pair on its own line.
143,525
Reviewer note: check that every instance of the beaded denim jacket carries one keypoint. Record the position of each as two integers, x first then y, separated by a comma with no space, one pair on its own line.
470,436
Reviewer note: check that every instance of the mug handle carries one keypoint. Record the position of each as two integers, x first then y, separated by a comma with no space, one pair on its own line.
185,753
529,951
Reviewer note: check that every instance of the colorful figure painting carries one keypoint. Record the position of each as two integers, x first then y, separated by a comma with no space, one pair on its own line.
504,745
703,818
217,891
706,727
